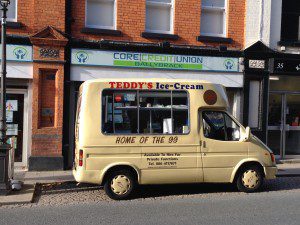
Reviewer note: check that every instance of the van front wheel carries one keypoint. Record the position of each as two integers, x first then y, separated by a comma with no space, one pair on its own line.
119,185
249,179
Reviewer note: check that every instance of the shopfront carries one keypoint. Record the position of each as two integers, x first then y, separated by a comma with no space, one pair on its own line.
272,99
284,108
89,64
19,101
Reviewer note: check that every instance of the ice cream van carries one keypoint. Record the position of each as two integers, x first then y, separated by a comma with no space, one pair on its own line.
141,131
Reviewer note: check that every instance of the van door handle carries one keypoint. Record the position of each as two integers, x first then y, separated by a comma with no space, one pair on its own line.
204,144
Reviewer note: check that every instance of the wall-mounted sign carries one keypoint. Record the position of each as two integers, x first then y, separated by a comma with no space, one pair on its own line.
287,66
153,61
21,53
256,64
49,53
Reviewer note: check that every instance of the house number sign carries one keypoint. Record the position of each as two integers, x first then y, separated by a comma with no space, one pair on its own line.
49,53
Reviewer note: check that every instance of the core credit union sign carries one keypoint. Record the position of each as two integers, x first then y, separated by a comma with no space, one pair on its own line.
153,61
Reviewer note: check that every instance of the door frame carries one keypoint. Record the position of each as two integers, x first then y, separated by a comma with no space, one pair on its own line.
25,147
283,127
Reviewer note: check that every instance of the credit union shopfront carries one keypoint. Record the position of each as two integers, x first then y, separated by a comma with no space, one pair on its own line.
19,100
132,60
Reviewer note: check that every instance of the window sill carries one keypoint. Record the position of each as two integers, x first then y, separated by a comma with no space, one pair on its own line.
13,25
289,43
159,36
214,39
99,31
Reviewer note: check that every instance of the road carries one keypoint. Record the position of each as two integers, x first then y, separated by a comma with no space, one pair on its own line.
217,204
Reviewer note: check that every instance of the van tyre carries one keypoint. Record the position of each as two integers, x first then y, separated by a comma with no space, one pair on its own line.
120,185
250,179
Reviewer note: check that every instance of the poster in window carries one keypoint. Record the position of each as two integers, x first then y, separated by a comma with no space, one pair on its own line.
9,116
12,129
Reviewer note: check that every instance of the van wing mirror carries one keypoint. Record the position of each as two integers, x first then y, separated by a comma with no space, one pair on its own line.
247,134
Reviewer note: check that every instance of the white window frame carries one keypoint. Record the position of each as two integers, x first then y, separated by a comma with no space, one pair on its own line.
149,2
218,9
15,19
102,27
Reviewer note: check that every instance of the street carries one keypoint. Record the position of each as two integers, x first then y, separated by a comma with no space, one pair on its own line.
181,204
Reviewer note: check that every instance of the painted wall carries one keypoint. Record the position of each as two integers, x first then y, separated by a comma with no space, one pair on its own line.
263,22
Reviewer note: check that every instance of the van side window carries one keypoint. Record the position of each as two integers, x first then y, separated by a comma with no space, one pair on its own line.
119,112
145,112
219,126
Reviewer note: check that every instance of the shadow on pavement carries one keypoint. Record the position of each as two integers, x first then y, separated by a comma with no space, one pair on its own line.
153,191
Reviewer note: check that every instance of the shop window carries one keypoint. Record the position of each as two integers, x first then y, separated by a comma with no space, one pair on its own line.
290,21
219,126
100,14
12,11
145,112
47,89
213,18
159,16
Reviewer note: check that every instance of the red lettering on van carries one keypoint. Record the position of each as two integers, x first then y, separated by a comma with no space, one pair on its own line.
126,85
112,84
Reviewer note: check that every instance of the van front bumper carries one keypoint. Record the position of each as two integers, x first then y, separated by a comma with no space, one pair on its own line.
270,172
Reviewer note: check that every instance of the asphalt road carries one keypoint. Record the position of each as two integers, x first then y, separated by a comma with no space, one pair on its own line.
280,204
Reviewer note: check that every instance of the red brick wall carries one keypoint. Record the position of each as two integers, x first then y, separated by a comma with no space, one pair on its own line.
47,141
37,14
187,16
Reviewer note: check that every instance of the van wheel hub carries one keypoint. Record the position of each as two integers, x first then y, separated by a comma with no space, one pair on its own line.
250,179
120,184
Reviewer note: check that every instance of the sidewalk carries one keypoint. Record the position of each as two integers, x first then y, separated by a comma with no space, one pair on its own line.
30,179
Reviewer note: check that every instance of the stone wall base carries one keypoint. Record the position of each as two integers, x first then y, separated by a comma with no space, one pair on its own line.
45,163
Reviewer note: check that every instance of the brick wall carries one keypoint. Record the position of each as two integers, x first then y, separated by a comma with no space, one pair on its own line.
37,14
187,16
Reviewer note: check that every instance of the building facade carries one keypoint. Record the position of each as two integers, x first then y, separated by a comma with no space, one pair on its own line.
272,68
36,58
68,42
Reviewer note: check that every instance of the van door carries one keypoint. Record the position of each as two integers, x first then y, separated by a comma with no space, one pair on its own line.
220,146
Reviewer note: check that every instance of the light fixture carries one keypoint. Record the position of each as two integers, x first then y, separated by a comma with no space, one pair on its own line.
4,3
274,78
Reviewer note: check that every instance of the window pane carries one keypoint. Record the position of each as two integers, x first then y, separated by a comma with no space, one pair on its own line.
254,104
155,121
180,112
158,18
155,112
213,3
11,12
100,13
119,112
212,22
232,129
214,125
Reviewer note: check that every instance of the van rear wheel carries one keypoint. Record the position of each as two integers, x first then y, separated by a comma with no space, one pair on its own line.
120,184
250,179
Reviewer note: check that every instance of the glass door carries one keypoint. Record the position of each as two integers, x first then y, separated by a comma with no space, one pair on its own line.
292,128
275,123
284,123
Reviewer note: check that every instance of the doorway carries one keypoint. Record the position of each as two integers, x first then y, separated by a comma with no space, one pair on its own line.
17,124
284,123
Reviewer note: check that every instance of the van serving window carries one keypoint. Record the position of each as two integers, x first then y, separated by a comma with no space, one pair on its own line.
145,112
